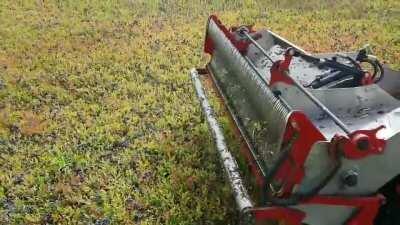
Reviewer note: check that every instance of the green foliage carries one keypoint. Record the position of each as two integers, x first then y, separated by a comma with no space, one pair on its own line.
98,120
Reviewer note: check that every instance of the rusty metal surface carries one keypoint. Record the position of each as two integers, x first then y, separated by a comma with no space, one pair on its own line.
228,161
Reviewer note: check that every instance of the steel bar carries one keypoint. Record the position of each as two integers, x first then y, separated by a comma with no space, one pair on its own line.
230,165
320,105
290,43
257,45
302,89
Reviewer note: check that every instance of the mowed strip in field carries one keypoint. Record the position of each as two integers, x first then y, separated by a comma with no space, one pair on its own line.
98,120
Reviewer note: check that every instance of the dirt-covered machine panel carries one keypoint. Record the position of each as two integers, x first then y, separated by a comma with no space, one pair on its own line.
321,131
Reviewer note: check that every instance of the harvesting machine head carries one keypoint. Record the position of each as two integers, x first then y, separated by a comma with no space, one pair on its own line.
321,131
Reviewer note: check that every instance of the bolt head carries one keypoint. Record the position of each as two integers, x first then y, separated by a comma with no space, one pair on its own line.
350,178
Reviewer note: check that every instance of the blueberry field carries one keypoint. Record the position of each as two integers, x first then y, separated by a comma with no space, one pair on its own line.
99,123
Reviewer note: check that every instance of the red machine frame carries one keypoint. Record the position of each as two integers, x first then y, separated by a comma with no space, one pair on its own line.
293,165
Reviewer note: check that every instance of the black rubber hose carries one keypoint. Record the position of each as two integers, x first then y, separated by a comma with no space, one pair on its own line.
378,69
296,198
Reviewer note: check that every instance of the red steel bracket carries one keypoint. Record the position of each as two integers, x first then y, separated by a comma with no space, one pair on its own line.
361,143
291,171
240,45
290,216
279,67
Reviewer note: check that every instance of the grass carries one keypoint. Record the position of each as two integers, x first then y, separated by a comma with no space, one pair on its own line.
98,120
